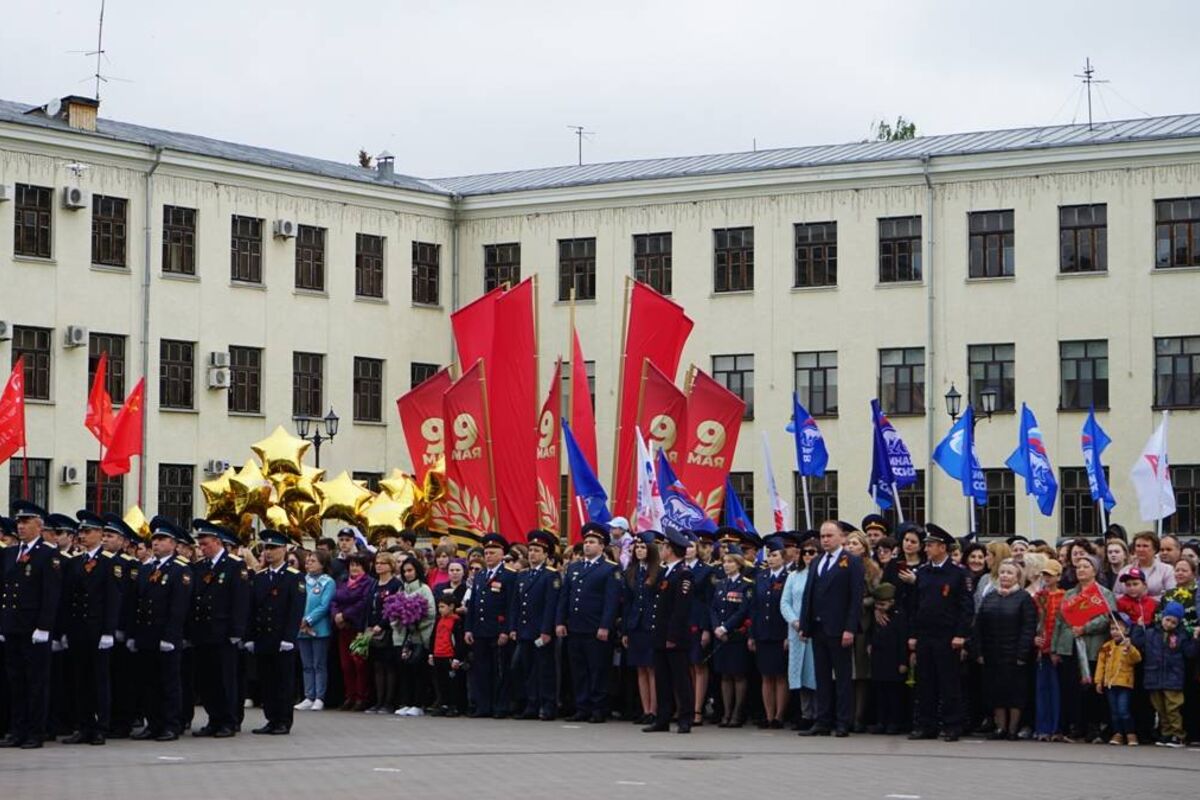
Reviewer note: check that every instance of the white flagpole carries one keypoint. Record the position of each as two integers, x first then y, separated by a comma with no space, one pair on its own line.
896,497
970,514
807,510
1103,515
1157,482
1032,511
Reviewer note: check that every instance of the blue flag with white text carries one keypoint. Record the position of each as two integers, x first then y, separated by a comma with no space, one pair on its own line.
587,485
811,455
680,511
956,455
1031,461
1094,440
891,463
735,512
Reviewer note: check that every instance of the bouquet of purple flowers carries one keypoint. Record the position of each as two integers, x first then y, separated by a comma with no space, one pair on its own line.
407,609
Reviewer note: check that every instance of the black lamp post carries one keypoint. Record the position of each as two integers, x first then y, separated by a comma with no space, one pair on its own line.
310,433
987,399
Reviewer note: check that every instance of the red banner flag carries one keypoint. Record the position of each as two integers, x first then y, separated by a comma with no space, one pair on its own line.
714,419
1084,607
656,330
470,502
549,463
474,328
127,434
99,418
663,413
511,374
421,419
582,418
12,412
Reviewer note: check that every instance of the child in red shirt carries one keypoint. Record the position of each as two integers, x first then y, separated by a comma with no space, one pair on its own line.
447,659
1138,605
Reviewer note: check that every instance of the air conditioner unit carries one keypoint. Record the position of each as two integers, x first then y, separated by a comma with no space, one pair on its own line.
5,330
76,336
218,358
7,192
69,476
215,466
73,197
219,378
285,228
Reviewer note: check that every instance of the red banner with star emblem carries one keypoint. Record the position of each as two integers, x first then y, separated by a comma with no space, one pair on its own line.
127,433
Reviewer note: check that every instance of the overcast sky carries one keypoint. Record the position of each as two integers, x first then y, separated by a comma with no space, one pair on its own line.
463,86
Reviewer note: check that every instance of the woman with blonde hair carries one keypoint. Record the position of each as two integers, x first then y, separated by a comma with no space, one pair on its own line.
1032,566
996,553
858,544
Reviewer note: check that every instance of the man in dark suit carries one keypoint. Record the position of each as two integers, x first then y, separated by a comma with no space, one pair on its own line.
673,639
488,627
587,612
277,605
31,579
534,607
123,663
832,604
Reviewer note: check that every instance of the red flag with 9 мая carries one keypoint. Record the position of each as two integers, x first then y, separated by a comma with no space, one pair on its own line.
421,418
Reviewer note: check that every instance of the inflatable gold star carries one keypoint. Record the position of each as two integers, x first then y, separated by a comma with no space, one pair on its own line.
383,516
401,487
280,452
218,495
251,490
136,520
341,498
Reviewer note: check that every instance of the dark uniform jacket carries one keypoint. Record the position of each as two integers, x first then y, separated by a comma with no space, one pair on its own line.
94,602
637,607
833,600
673,607
591,596
220,600
704,580
535,603
31,589
732,602
767,622
490,603
889,647
127,580
276,607
164,592
944,606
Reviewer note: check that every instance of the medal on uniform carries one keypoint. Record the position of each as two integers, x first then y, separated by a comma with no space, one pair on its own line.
28,570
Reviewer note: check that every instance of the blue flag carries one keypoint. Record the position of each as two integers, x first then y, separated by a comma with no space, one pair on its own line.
680,511
890,463
811,455
1031,461
956,454
1094,440
587,485
735,513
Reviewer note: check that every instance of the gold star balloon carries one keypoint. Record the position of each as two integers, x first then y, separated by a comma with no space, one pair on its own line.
341,498
401,487
290,488
218,495
277,518
383,516
251,490
280,452
136,520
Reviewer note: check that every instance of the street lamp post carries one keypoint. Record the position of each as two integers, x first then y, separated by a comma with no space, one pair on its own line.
987,401
312,433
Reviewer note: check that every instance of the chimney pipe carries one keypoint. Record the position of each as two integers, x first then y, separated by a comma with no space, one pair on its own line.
385,166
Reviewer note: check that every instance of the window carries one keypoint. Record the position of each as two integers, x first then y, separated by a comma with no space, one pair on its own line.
990,244
899,249
577,269
501,265
652,260
999,516
816,382
369,479
1083,367
179,240
426,272
368,389
822,498
34,345
31,221
310,258
1186,519
114,377
1177,233
736,373
112,490
733,259
816,254
108,230
743,486
912,503
175,492
245,380
418,373
1176,371
1079,516
308,370
902,380
368,265
589,369
245,240
1083,238
991,366
39,480
176,374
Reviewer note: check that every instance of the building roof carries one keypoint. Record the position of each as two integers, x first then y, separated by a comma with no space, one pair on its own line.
955,144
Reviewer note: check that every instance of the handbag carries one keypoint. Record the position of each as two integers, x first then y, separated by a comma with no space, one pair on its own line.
413,651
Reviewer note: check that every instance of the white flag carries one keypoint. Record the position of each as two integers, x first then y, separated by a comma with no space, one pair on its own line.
1151,476
649,501
780,512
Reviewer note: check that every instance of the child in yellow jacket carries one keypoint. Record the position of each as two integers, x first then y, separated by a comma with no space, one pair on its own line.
1114,678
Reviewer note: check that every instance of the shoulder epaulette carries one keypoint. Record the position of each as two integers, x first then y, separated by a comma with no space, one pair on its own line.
128,557
182,562
293,571
747,579
261,570
610,561
106,554
232,557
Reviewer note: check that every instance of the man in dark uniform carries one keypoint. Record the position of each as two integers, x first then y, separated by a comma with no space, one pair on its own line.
940,628
672,639
164,593
220,600
704,580
31,576
8,538
117,537
277,598
534,607
185,548
587,612
93,605
487,629
58,530
876,528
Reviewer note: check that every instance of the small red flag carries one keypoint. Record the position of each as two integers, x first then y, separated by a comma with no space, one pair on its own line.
126,438
99,419
1084,607
12,412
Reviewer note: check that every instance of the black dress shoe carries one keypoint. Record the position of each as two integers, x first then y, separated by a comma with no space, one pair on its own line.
500,715
776,725
10,741
265,729
950,736
202,732
279,730
143,735
166,736
528,715
684,728
597,718
478,715
578,716
96,739
223,733
815,730
656,728
918,735
120,734
31,744
76,738
841,733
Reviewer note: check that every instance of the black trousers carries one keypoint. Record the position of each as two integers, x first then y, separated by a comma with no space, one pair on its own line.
61,716
673,686
217,677
451,688
28,667
889,705
590,660
835,690
277,681
187,685
489,676
534,669
125,706
93,684
938,685
160,678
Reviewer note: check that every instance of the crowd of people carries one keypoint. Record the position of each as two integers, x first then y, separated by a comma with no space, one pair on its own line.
836,631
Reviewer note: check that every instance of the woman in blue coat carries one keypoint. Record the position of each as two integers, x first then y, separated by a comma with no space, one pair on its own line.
769,634
640,591
802,674
732,599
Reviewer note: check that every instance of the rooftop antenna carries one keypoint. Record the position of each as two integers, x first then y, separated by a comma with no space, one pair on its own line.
1088,80
100,53
580,132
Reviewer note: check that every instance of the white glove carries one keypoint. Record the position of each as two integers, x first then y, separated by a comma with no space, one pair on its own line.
131,645
120,636
41,637
56,646
166,647
1,638
286,647
235,640
106,642
65,644
250,647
